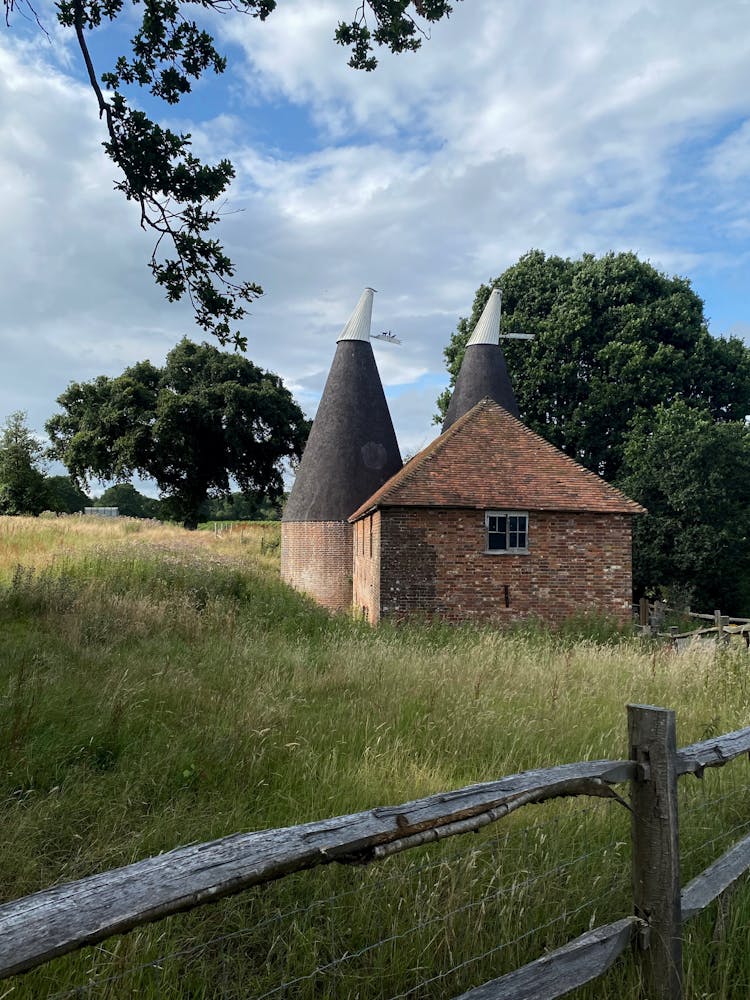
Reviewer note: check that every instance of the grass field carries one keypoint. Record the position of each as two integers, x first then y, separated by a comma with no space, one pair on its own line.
159,687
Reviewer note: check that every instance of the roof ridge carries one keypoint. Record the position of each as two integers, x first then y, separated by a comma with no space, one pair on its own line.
562,470
413,466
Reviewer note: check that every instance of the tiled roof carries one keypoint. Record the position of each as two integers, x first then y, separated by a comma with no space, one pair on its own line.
488,459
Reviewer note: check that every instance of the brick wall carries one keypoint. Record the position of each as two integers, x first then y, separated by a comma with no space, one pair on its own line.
316,558
433,561
366,596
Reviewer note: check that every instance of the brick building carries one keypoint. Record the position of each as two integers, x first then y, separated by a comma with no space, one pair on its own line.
490,522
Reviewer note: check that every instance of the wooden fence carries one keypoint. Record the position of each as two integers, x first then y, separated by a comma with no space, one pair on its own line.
651,619
50,923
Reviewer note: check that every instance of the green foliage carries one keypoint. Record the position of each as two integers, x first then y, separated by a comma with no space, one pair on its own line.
204,419
64,496
614,338
251,506
174,191
395,27
693,474
23,488
129,501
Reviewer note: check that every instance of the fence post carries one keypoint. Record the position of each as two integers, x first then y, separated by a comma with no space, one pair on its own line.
655,847
643,612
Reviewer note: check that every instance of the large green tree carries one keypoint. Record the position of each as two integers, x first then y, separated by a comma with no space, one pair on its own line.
693,474
206,418
174,191
65,497
23,489
129,501
614,337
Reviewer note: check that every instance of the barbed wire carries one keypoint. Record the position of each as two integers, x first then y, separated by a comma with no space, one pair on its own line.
713,800
421,925
714,840
506,944
535,832
277,918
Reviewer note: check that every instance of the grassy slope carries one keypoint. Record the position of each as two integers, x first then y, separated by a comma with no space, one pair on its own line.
159,687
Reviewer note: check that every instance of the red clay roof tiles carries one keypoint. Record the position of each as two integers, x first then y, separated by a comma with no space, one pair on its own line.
488,459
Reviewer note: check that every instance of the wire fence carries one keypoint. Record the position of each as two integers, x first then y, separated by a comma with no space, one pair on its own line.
435,919
429,923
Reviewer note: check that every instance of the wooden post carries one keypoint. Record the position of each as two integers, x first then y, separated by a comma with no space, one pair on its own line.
643,612
655,846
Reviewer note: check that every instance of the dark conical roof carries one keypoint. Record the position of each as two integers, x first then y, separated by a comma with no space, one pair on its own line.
352,448
483,374
483,371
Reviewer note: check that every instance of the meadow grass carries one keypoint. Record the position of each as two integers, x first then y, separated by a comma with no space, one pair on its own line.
160,687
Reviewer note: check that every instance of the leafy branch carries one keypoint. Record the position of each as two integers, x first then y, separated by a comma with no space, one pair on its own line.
394,27
176,193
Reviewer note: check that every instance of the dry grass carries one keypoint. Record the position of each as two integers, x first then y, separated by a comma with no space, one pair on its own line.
163,687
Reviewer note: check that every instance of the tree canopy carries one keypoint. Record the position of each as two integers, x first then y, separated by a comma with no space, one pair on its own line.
693,474
129,501
613,337
175,192
23,488
65,497
206,418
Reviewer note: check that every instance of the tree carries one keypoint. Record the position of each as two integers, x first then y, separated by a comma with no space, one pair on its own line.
23,489
64,497
129,501
175,192
613,337
251,506
693,474
205,418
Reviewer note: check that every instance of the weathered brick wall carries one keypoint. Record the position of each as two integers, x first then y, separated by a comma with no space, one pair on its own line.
366,598
316,558
433,561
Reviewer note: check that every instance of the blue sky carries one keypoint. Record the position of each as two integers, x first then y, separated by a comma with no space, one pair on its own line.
571,128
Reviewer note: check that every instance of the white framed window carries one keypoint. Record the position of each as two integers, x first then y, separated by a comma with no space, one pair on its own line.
506,530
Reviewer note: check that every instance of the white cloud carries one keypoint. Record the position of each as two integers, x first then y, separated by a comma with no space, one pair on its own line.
583,127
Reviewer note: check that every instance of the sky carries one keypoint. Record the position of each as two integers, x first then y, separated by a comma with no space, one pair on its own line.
572,128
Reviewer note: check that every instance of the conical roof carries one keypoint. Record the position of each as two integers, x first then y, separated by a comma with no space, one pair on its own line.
352,448
483,373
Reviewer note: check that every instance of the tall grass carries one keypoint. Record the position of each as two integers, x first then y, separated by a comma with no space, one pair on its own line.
162,687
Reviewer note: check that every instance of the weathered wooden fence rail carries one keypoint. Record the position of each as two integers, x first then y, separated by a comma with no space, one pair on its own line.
651,616
50,923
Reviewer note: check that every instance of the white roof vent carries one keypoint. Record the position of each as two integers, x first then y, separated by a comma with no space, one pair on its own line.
487,330
358,327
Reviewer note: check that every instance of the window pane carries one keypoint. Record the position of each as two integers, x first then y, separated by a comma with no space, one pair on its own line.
506,532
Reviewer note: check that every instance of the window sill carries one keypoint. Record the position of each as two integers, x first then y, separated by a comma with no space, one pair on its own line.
507,552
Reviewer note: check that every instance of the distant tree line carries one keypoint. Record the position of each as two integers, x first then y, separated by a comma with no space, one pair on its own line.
26,490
